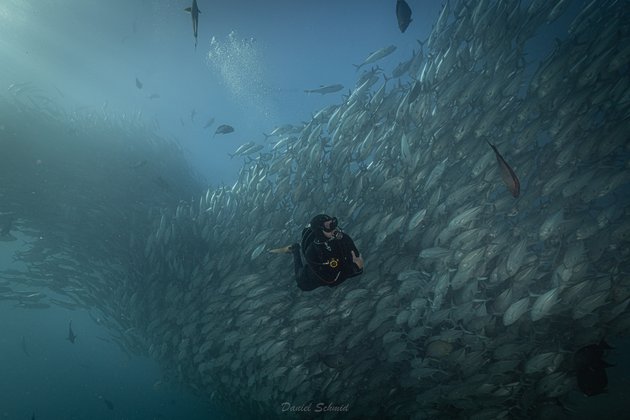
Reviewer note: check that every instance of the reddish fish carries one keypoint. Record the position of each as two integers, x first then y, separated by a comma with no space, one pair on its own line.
507,174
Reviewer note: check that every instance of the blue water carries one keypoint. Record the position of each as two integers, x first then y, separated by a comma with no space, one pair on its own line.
88,55
54,379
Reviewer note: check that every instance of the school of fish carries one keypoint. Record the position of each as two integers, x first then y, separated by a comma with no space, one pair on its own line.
489,196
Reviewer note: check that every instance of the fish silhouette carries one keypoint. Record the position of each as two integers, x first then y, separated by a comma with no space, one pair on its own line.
591,368
325,89
194,12
403,15
224,129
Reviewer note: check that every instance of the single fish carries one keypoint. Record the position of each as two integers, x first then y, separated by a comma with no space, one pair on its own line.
507,174
192,115
515,311
325,89
154,96
194,12
138,83
109,404
544,304
247,149
224,129
259,249
71,336
403,14
377,55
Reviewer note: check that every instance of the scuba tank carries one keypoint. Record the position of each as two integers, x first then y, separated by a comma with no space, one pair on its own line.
307,238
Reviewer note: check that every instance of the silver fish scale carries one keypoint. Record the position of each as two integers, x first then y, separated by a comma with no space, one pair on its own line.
544,304
544,362
515,311
589,304
516,257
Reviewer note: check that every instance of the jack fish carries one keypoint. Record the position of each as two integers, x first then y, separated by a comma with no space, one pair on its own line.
224,129
377,55
325,89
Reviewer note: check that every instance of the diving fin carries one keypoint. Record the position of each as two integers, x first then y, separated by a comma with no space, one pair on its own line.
284,250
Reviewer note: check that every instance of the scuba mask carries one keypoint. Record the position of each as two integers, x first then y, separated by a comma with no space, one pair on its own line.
332,225
333,228
321,224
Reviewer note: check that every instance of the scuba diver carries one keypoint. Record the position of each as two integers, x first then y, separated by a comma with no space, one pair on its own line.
330,254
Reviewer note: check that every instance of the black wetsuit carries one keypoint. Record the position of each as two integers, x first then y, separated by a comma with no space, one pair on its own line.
321,258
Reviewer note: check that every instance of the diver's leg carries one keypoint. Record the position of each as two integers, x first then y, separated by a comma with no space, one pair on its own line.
302,275
304,280
297,260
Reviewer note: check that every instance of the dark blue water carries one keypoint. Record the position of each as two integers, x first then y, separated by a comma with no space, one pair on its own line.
42,373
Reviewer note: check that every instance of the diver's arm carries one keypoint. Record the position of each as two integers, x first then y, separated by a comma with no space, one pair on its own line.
350,244
311,256
357,259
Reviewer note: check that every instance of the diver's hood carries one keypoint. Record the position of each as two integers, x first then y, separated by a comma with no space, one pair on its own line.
317,226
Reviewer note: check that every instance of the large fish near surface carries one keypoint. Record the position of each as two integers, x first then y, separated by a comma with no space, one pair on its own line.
403,14
377,55
194,12
224,129
325,89
507,174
